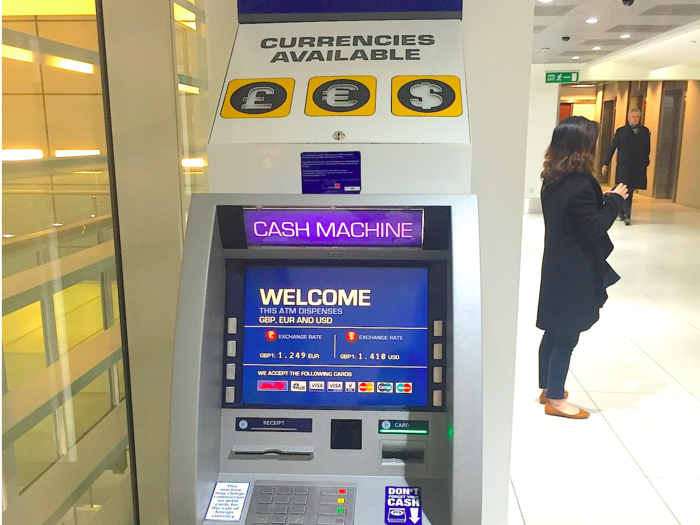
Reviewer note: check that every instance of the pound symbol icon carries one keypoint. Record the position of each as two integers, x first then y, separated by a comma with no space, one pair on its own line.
262,98
256,99
427,96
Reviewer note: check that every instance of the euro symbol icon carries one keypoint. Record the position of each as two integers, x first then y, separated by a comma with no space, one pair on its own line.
256,98
427,96
337,96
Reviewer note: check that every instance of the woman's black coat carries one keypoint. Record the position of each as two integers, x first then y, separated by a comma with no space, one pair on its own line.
633,151
575,273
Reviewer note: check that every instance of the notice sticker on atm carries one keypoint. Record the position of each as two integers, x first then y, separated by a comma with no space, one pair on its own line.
227,502
403,505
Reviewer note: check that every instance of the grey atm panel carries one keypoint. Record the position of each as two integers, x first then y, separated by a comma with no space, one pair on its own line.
311,459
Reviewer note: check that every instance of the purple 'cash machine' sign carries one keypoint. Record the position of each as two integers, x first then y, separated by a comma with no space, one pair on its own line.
337,227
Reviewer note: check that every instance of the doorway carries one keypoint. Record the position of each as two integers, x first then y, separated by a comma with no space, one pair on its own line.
606,137
669,142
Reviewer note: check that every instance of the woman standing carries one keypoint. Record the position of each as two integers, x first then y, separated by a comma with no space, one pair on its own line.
575,273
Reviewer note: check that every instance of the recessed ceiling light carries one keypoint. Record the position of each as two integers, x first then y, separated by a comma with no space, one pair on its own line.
93,215
57,224
583,85
597,48
546,1
575,57
7,235
545,50
625,35
592,20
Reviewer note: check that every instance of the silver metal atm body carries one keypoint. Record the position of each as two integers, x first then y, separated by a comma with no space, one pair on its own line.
330,465
268,429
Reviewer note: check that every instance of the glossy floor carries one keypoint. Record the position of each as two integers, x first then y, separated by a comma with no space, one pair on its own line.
636,460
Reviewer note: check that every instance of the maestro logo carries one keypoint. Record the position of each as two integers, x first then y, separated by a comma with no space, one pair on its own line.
258,98
341,96
414,96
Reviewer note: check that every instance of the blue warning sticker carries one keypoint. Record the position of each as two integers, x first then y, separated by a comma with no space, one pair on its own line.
402,505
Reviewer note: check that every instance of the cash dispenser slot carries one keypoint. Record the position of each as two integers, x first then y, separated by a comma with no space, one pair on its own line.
396,453
281,454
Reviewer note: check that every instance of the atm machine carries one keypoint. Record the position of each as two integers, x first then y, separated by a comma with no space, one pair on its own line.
327,366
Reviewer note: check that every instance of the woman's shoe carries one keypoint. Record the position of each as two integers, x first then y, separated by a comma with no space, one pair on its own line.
551,411
543,396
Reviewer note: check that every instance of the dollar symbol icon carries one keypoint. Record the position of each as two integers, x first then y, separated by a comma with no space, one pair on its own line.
426,94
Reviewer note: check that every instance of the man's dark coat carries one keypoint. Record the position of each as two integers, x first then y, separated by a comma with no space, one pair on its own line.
632,156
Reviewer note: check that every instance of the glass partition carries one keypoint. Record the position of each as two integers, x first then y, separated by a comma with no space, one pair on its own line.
65,425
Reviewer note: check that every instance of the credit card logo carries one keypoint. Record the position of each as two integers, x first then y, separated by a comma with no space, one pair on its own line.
404,388
366,387
350,386
317,386
298,386
335,386
385,388
273,386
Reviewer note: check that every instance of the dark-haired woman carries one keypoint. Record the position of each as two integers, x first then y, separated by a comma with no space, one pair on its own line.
575,273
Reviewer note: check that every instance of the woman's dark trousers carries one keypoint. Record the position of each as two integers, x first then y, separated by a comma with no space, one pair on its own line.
555,355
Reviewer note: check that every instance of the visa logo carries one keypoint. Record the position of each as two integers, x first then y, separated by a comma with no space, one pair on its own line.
404,388
385,388
335,386
366,387
350,386
298,386
273,386
317,386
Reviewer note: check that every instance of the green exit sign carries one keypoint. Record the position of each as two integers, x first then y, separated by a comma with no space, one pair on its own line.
562,77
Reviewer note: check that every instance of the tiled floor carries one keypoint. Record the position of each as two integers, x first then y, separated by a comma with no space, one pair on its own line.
636,460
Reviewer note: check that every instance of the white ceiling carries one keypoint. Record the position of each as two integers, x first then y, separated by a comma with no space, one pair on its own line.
645,20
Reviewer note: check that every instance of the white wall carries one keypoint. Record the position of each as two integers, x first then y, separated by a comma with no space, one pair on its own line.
498,52
543,113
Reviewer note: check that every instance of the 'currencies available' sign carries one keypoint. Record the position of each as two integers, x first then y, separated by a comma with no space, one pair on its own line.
294,227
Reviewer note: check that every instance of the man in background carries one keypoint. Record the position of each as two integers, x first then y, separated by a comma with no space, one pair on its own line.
633,145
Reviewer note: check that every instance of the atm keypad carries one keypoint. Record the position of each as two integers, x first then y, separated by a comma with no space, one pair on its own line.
301,505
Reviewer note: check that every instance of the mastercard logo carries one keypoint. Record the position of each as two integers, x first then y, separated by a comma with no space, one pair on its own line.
365,387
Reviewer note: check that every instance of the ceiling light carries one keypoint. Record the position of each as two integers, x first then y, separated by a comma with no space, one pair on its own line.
88,172
597,48
592,20
545,50
71,65
7,235
575,57
625,36
197,162
571,101
22,154
546,1
76,152
17,53
186,17
186,88
57,224
583,85
93,215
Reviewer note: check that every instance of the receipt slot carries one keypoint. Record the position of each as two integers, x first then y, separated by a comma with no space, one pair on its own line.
327,366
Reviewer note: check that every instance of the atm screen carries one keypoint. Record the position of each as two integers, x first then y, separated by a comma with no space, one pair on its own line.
335,337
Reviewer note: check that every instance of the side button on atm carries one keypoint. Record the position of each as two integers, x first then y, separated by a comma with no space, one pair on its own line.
437,374
437,398
232,325
231,348
231,371
437,328
437,351
230,394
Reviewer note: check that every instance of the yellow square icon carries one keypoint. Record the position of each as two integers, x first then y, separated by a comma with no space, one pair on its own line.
341,96
426,96
341,500
258,98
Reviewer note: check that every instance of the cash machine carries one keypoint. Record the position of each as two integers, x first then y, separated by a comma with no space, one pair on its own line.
328,362
327,366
